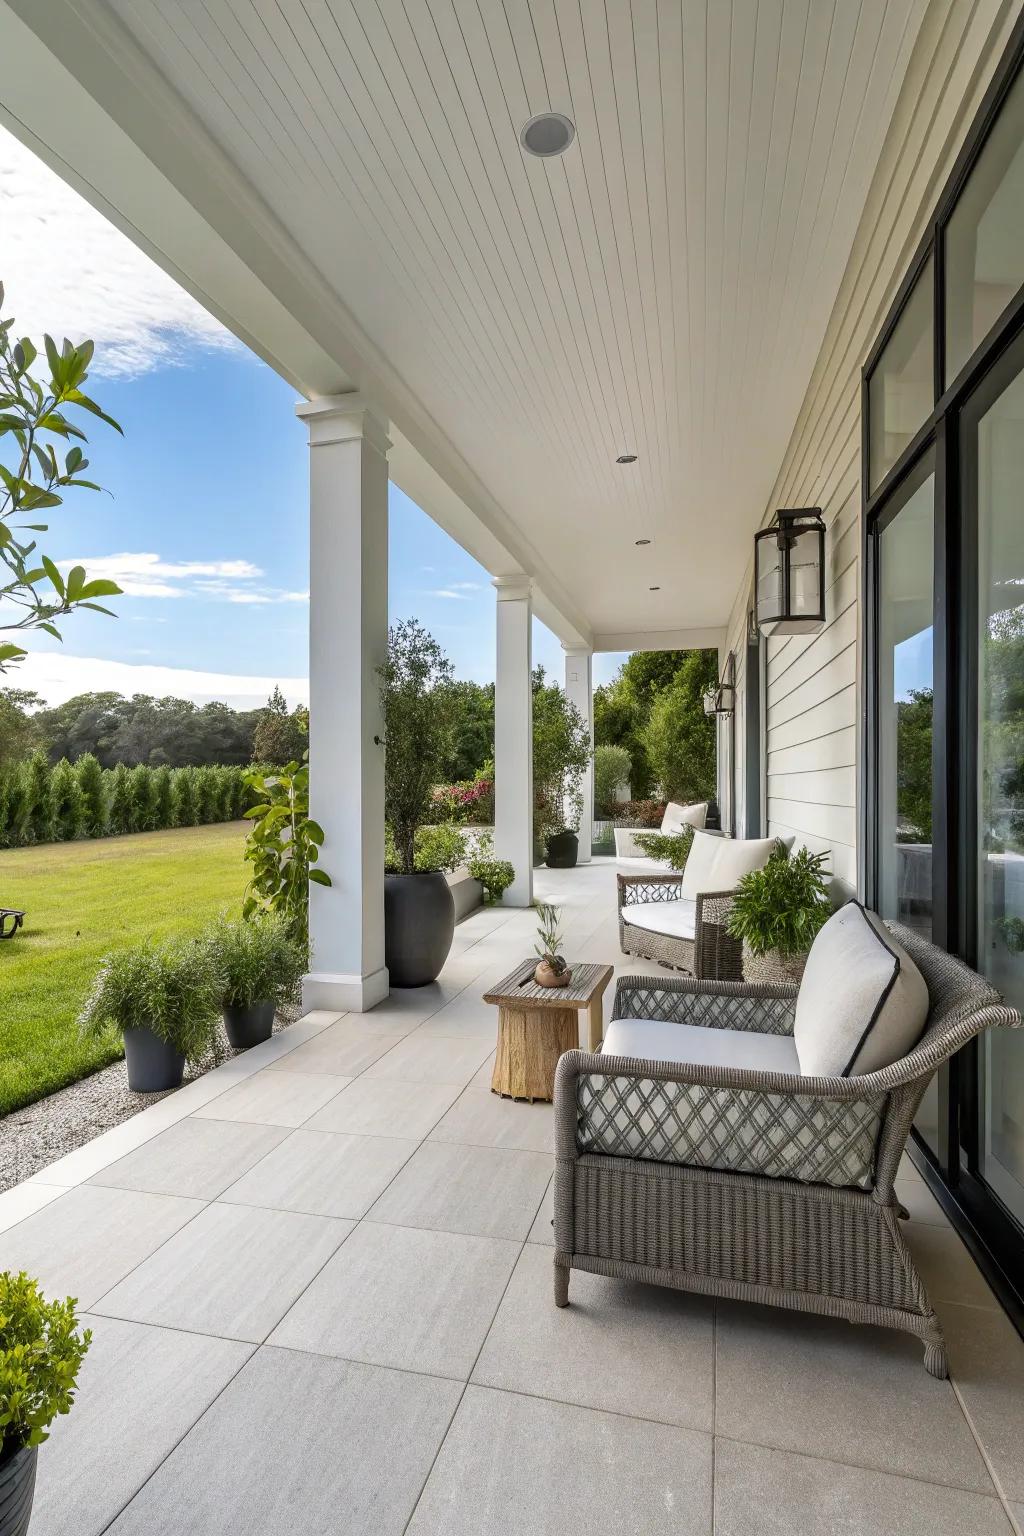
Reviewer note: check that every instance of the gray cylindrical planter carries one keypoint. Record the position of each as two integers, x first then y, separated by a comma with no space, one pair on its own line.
249,1026
17,1486
419,925
153,1065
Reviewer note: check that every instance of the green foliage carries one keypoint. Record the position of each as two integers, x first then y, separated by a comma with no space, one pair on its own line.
94,796
280,737
441,848
19,731
143,729
471,740
679,738
416,706
33,419
37,820
41,1354
174,989
186,800
561,752
622,709
782,906
612,767
67,804
495,875
283,847
259,959
671,848
144,798
549,936
208,795
639,813
121,801
163,797
914,767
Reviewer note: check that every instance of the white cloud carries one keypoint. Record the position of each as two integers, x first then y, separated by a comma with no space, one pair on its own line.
56,677
101,286
147,575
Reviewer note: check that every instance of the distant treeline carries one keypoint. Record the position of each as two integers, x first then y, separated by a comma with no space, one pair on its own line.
44,804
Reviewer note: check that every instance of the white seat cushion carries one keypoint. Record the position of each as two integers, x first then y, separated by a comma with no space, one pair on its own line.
719,863
677,919
677,817
656,1040
862,1003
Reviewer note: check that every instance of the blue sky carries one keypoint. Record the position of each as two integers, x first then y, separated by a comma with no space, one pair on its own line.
205,526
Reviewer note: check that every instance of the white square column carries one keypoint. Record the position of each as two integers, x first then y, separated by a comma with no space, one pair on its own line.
579,690
348,631
513,735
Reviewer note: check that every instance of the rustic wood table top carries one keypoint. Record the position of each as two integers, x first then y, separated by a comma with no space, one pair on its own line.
518,987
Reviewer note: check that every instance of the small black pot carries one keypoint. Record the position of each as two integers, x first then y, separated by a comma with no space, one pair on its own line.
563,850
17,1486
249,1026
153,1065
419,925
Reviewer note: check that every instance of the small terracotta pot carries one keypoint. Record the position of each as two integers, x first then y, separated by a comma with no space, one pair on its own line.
546,976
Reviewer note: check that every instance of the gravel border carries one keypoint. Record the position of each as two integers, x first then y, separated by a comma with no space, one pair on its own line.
34,1137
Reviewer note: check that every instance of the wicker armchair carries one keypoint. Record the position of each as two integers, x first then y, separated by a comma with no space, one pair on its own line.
711,953
755,1185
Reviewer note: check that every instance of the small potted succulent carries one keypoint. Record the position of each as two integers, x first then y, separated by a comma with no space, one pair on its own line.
261,963
777,912
41,1353
163,1000
551,969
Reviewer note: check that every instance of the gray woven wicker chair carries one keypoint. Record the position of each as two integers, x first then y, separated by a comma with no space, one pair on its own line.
711,953
754,1185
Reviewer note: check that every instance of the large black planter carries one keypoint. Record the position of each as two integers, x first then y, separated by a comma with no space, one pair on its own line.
249,1026
419,925
17,1485
563,850
153,1065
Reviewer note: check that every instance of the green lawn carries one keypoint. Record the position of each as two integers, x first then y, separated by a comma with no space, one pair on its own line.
81,900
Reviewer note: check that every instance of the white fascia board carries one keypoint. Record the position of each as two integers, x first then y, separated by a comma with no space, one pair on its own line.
661,640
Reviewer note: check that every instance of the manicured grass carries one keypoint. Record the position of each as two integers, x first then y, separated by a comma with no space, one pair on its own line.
81,901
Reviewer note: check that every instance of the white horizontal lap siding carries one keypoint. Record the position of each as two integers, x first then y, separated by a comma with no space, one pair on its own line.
814,682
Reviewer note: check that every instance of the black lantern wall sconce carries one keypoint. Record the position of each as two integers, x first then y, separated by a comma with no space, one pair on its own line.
789,573
722,699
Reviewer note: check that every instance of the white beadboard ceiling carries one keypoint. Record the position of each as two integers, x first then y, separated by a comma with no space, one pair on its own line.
662,288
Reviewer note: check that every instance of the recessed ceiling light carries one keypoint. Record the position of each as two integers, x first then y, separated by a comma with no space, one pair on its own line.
654,589
626,458
638,542
549,133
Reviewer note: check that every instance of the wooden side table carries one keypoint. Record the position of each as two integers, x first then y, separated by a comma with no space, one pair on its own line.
536,1025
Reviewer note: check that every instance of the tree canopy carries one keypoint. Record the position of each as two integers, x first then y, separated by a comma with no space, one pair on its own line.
654,710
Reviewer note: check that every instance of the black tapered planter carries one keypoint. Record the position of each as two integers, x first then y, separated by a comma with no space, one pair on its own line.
17,1486
249,1026
563,850
153,1065
419,925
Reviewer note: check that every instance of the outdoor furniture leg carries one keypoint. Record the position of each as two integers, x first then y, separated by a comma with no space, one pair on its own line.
530,1042
595,1018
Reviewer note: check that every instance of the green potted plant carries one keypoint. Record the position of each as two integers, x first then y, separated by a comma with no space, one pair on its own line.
777,911
260,962
495,875
671,848
551,969
163,1000
416,698
41,1353
561,752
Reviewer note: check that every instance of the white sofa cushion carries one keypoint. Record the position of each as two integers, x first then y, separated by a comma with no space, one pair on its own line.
677,817
862,1002
719,863
656,1040
678,919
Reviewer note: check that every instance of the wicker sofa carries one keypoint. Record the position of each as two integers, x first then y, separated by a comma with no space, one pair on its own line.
751,1182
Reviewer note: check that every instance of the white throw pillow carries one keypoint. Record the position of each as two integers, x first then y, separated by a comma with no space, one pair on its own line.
862,1003
677,817
719,863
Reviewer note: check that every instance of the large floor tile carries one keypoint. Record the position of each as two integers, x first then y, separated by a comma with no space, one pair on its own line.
626,1348
947,1269
141,1389
479,1118
542,1230
840,1391
234,1272
275,1098
468,1016
520,1466
371,1108
987,1363
300,1444
196,1157
485,1191
323,1173
920,1203
760,1492
397,1296
90,1238
342,1050
422,1058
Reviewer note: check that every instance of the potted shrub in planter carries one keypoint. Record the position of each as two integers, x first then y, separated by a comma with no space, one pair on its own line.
41,1353
561,752
163,1000
551,969
261,963
495,875
416,699
777,911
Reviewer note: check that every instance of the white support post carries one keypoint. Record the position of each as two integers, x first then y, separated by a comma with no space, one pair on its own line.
513,735
348,626
579,691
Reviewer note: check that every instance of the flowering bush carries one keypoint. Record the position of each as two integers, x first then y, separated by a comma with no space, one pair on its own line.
639,813
470,801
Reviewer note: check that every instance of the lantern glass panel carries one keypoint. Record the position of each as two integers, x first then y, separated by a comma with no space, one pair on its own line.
805,575
769,580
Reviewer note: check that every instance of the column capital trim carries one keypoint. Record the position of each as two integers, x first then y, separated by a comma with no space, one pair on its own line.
342,419
577,650
509,589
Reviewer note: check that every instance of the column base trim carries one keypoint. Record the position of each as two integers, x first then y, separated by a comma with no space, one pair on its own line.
342,993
